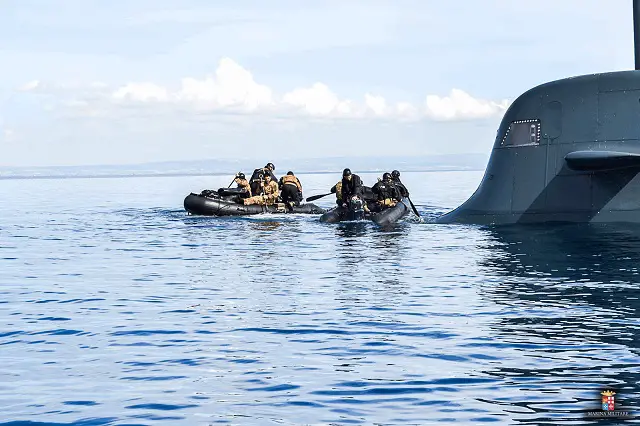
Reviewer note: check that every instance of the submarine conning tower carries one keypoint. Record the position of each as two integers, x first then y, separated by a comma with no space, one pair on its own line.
565,151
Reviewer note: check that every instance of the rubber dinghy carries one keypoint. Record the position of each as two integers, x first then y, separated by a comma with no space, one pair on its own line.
228,203
355,212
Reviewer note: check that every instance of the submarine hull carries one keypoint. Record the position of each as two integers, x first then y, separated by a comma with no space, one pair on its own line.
565,151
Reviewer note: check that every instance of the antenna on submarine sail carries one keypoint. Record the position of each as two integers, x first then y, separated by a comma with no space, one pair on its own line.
636,32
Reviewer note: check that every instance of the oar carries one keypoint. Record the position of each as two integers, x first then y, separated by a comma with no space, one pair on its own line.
411,202
413,207
316,197
234,179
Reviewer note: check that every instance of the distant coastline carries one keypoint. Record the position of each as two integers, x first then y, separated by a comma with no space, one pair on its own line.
114,176
436,163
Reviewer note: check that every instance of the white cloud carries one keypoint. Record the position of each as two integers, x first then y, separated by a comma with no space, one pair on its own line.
461,105
319,100
233,89
233,86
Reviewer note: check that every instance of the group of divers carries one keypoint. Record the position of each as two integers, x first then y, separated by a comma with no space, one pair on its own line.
384,203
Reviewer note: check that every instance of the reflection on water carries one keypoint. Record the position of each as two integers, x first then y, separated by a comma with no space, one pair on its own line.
265,225
129,313
569,297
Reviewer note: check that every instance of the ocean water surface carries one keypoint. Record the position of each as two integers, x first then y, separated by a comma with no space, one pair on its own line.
117,308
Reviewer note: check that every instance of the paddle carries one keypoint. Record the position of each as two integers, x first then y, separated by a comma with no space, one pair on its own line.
411,202
413,207
234,179
316,197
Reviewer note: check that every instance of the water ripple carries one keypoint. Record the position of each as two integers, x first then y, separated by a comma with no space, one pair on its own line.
117,308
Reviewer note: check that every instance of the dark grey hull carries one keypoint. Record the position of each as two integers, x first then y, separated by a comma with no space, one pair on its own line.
391,215
386,217
212,206
341,214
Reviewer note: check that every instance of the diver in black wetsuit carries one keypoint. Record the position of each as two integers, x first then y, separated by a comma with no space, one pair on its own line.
404,192
387,192
351,185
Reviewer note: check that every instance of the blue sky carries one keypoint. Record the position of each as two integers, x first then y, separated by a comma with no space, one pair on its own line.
96,82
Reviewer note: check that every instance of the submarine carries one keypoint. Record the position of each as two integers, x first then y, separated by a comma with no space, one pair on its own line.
565,151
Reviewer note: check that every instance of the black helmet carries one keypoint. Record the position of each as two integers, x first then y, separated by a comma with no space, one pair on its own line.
346,172
270,166
386,176
240,175
289,173
395,174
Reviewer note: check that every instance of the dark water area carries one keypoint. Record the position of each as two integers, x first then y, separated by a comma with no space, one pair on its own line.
116,308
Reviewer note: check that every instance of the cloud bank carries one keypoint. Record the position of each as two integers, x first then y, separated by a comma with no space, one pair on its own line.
234,89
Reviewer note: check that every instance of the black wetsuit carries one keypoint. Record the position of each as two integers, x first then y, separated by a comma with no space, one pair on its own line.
351,187
254,182
386,190
404,192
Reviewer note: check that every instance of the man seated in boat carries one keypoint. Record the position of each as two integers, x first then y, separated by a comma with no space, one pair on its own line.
268,193
258,176
243,184
291,189
387,192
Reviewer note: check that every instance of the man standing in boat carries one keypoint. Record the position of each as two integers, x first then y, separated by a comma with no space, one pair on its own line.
291,190
269,194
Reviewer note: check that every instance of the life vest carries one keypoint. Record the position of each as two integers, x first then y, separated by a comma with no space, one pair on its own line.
291,180
339,191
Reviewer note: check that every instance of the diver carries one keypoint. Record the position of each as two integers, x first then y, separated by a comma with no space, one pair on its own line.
387,192
291,190
337,189
352,186
268,193
258,177
404,192
243,184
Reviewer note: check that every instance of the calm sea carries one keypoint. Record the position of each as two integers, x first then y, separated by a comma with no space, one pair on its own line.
117,308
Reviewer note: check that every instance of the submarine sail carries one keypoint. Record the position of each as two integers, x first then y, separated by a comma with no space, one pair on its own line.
565,151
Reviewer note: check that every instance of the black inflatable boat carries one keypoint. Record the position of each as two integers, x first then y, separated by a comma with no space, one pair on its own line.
228,202
356,212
